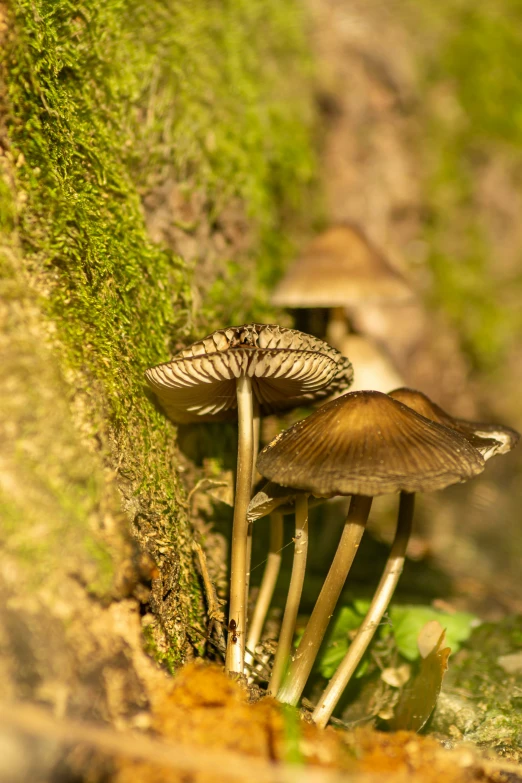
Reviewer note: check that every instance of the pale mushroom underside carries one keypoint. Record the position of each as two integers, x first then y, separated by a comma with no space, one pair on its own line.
288,368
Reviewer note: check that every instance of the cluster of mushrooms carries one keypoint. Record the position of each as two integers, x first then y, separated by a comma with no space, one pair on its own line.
361,444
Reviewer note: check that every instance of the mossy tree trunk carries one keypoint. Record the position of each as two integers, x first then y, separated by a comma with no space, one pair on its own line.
148,155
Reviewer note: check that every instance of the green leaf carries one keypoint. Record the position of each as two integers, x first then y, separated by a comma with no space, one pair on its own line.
349,619
407,621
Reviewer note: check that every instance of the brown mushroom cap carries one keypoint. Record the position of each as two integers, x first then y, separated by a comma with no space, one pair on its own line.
338,269
271,497
366,443
288,368
489,439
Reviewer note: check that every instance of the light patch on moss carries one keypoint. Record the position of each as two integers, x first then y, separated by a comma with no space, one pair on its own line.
50,488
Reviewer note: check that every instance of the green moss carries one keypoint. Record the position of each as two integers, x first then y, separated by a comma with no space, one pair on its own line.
106,101
169,657
7,211
128,92
104,98
103,562
481,697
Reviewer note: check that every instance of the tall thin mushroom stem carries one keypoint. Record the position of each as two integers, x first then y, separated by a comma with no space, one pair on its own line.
306,653
238,567
256,424
338,327
294,593
256,429
268,583
378,606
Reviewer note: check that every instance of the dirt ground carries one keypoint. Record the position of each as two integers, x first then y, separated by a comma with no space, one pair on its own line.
206,729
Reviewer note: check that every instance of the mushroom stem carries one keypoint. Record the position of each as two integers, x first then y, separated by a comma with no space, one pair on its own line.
337,328
256,428
378,606
294,593
268,583
256,422
238,566
306,653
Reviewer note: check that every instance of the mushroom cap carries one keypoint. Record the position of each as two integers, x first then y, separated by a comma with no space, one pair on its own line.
288,368
340,268
506,437
366,443
272,496
489,439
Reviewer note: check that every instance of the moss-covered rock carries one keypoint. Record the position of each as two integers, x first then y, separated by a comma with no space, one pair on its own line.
482,690
112,114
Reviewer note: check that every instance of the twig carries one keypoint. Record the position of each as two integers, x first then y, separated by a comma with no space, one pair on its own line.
213,602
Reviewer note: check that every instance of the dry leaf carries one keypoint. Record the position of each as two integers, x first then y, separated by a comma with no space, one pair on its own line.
418,699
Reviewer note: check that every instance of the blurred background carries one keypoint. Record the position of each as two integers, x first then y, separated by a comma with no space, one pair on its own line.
420,147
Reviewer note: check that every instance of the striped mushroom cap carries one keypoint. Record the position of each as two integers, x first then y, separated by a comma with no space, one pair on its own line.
340,268
288,368
366,443
489,439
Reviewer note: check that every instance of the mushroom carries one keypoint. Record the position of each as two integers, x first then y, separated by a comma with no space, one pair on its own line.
273,497
361,444
381,598
270,501
277,501
232,372
488,440
338,269
267,586
295,589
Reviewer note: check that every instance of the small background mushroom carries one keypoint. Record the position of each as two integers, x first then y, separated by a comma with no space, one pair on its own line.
340,269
